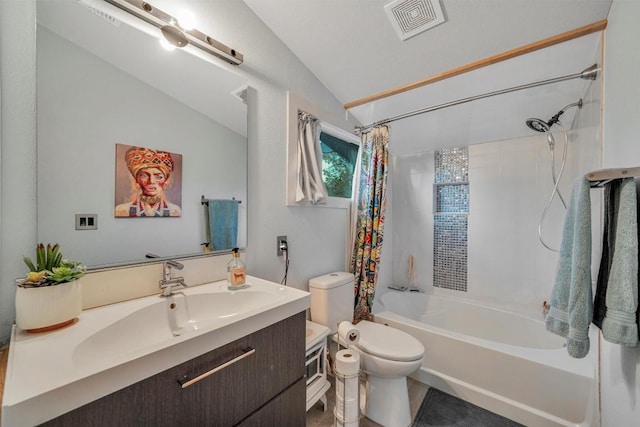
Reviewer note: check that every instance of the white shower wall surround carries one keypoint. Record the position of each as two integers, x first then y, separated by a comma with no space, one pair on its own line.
509,184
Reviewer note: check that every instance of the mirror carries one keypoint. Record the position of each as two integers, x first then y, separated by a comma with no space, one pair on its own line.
104,80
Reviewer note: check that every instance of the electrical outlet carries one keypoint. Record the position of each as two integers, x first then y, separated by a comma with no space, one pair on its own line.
281,245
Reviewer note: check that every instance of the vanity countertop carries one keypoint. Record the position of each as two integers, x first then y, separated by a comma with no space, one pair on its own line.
51,373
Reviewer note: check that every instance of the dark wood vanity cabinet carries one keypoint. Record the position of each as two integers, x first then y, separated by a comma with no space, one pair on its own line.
266,387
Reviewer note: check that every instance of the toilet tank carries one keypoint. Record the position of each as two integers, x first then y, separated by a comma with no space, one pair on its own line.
332,299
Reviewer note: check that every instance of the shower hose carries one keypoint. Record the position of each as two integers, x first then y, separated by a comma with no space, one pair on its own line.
556,181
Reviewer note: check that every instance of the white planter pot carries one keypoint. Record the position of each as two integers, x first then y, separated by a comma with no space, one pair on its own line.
48,307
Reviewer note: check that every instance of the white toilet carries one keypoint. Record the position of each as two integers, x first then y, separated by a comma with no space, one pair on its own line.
387,355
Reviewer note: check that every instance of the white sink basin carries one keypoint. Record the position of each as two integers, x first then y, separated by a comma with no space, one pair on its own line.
168,318
114,346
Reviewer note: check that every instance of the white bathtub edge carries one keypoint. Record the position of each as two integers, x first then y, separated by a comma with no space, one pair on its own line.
493,402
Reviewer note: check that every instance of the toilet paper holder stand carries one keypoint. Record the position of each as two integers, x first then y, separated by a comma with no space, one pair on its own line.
340,418
340,413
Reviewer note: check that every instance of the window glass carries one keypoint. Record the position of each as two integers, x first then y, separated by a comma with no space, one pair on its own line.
339,159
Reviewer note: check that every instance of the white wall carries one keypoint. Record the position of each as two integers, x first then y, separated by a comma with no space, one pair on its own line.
316,235
620,366
411,181
17,149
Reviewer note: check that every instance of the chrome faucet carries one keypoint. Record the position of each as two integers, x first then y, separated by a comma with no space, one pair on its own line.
168,282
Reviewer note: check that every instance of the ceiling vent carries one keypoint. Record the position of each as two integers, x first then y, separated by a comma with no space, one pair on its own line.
411,17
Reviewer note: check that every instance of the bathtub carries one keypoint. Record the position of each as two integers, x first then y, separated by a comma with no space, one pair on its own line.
499,360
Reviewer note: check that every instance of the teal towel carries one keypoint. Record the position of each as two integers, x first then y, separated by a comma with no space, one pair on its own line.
619,324
571,302
223,224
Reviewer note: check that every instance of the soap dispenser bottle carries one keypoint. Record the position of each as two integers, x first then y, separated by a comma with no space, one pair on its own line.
236,271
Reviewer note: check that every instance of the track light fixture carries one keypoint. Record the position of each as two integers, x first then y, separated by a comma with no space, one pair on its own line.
174,33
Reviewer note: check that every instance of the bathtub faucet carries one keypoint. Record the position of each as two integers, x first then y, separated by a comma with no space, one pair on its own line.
545,308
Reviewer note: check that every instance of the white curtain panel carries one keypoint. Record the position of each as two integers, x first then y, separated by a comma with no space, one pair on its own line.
352,211
310,187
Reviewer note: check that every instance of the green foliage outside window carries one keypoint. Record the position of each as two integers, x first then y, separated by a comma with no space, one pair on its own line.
338,165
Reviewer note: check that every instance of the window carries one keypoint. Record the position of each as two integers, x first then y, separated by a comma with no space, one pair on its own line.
339,150
339,158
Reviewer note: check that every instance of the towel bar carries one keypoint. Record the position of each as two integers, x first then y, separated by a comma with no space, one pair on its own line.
205,201
600,177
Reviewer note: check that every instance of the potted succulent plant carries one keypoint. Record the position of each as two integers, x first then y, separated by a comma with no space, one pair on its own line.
50,296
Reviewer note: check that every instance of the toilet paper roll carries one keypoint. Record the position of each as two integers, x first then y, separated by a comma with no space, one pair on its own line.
347,403
347,362
347,390
346,410
348,333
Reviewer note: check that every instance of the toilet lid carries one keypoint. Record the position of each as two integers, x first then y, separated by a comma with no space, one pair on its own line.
388,343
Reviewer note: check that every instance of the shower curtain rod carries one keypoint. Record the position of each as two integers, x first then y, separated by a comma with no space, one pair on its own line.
589,73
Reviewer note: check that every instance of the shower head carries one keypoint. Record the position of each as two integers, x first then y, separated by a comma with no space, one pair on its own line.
538,125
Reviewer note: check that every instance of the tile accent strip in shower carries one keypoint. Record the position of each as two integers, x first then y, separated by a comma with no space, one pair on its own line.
450,208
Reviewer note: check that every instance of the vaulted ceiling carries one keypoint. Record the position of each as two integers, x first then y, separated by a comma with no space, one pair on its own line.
352,47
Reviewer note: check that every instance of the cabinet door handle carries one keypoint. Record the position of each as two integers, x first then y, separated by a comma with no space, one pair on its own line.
246,352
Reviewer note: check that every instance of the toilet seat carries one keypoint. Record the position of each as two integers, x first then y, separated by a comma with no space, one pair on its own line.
388,343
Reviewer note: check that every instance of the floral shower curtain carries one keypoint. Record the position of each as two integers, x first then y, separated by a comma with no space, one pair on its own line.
372,201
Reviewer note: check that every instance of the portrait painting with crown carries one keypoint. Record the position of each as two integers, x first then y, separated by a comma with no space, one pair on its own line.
148,182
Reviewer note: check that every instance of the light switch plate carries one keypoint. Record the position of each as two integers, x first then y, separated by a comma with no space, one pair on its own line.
86,221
